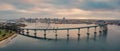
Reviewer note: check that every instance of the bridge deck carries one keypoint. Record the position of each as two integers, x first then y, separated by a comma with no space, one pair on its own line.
61,28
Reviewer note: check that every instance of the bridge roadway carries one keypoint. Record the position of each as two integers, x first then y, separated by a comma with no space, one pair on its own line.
61,28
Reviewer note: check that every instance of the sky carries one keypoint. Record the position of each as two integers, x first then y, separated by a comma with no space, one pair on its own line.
73,9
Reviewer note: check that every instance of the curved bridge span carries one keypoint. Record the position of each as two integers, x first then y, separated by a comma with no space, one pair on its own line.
26,31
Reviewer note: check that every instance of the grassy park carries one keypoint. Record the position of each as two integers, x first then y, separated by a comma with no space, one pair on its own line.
5,34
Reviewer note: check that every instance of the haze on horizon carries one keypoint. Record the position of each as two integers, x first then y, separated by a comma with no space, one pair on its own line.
73,9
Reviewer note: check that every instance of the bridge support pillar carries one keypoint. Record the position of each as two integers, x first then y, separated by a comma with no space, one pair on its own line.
88,31
27,32
68,33
44,34
105,29
95,31
78,34
22,31
100,29
56,34
35,33
95,36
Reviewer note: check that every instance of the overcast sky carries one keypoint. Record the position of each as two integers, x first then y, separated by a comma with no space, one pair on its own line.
77,9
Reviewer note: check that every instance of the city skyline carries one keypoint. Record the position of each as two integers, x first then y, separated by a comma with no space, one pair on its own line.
73,9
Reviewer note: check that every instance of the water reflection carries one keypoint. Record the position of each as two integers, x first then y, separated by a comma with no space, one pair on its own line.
95,36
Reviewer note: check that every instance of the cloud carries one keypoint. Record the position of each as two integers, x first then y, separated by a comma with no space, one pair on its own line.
73,11
59,8
6,7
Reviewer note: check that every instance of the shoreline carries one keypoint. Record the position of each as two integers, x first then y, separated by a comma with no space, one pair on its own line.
7,41
7,36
